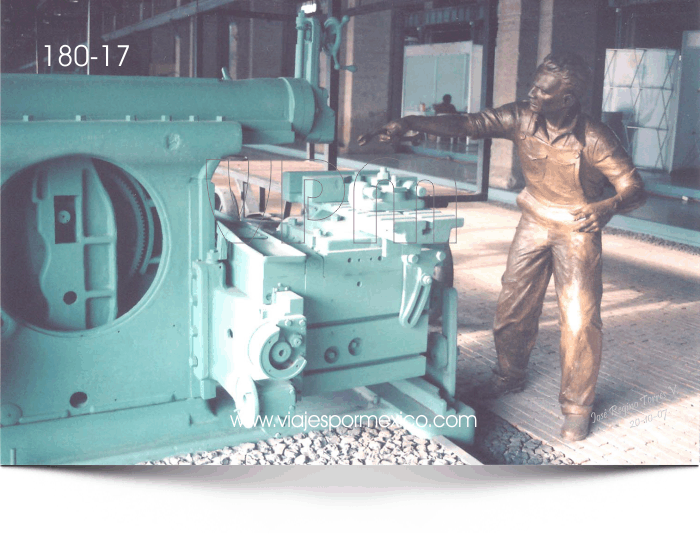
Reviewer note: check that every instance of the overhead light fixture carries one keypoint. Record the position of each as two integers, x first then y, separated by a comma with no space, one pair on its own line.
309,7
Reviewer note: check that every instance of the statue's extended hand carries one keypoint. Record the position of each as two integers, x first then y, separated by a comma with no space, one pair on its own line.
386,133
593,217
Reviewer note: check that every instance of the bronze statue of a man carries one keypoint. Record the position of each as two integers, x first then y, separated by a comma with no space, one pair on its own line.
567,158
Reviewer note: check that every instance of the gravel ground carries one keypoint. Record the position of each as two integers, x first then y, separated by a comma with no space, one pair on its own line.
367,445
497,442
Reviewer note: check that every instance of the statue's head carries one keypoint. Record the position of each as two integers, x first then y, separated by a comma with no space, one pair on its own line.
560,82
572,69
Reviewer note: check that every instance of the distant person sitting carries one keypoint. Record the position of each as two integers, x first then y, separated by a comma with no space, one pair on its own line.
445,106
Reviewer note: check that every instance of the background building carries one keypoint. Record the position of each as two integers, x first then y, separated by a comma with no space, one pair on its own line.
408,54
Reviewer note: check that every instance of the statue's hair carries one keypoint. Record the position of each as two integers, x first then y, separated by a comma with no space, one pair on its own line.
571,68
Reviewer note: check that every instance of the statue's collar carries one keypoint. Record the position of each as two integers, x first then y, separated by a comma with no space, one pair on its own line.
574,125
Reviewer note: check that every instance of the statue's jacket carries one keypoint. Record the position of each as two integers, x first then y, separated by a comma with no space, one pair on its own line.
563,171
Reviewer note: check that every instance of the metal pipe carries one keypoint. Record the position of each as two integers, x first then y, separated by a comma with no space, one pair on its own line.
299,58
334,7
257,103
488,60
179,13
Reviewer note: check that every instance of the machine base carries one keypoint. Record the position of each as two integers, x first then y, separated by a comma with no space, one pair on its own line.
180,427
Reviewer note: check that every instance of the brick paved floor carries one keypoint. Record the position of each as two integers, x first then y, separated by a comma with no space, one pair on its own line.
648,401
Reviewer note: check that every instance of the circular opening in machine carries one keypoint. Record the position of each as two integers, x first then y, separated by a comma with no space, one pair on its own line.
331,355
78,399
76,231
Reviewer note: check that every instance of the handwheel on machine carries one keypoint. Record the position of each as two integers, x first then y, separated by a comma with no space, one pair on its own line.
443,277
225,202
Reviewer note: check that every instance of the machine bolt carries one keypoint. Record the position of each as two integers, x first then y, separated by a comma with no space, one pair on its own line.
296,340
302,322
440,255
427,279
331,355
287,323
383,174
413,258
421,191
64,217
355,346
10,415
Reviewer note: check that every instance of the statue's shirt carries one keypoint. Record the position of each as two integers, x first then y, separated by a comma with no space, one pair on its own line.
562,170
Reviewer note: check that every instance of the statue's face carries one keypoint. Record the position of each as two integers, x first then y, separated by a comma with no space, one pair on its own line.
549,95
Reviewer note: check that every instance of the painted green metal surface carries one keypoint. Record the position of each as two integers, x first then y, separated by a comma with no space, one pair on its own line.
136,326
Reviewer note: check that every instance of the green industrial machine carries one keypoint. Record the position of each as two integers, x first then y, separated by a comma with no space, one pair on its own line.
139,322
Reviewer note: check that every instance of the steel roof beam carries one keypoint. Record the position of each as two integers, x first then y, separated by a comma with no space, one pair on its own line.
179,13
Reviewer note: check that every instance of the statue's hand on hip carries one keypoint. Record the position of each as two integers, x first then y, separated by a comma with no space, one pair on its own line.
593,217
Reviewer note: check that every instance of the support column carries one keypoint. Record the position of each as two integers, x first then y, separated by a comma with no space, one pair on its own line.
528,30
365,93
516,61
94,39
266,41
265,48
569,26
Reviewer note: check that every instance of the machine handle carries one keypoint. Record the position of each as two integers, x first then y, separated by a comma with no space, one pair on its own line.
332,40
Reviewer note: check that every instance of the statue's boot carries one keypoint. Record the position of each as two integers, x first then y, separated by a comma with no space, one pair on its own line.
499,386
575,426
